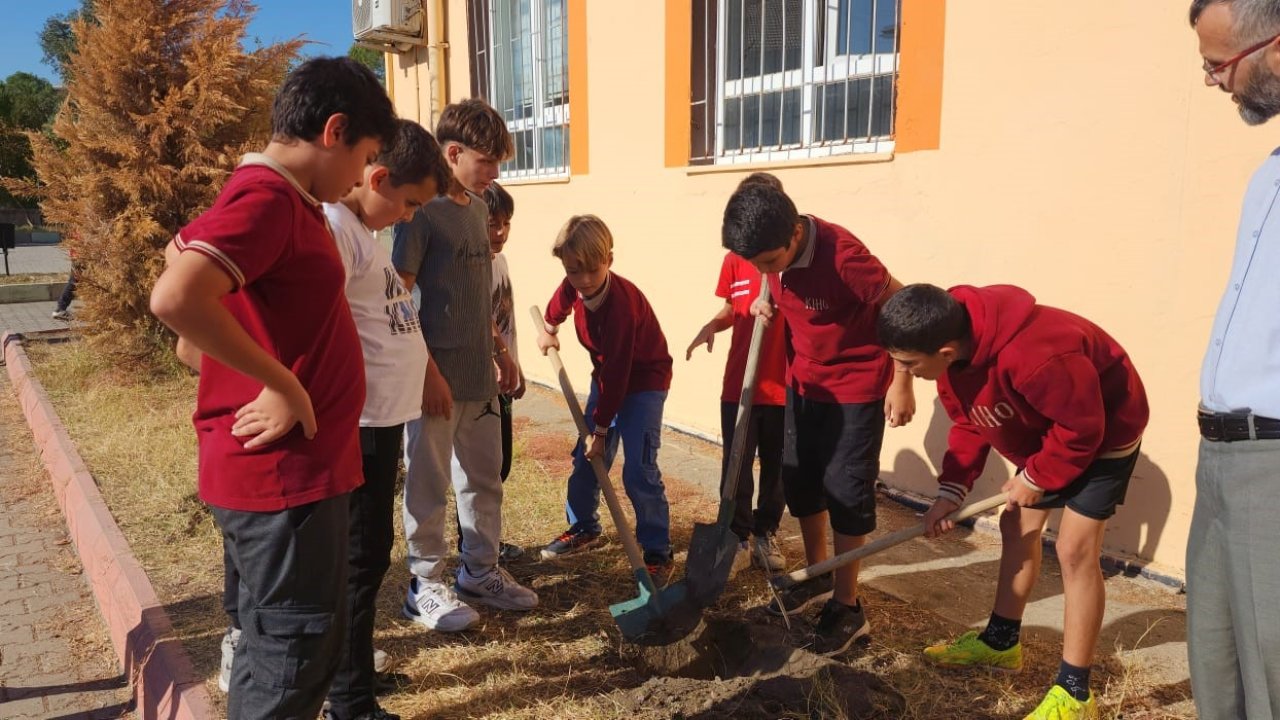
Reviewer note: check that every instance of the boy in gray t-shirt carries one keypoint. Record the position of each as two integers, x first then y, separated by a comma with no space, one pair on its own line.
444,249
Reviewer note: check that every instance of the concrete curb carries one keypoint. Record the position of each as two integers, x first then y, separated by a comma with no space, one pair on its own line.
165,685
30,292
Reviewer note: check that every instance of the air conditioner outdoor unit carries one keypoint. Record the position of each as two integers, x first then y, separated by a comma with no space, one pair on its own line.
387,22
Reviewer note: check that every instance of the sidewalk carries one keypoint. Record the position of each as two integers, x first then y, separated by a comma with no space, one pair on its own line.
56,660
38,259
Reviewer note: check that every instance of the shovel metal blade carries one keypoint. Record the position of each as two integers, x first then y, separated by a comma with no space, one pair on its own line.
712,549
656,618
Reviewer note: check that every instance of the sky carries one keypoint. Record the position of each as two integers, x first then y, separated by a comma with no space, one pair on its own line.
325,22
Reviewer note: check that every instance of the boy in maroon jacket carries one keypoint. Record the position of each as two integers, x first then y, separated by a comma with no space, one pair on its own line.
1060,399
841,388
629,382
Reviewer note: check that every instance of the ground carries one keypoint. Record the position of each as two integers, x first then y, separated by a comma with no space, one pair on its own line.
567,658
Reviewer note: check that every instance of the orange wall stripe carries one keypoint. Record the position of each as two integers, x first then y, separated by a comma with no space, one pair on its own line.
578,135
919,119
679,71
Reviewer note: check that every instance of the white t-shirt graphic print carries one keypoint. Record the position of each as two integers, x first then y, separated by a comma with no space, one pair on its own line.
395,354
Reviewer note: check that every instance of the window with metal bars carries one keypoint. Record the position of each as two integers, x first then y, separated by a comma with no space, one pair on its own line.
781,80
520,65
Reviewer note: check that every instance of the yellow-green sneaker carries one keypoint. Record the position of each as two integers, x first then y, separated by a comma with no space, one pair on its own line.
1059,705
969,650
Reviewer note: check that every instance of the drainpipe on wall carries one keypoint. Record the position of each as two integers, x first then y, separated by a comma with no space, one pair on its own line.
437,61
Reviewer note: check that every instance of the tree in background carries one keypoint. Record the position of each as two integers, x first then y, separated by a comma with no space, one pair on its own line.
162,100
58,42
27,104
371,59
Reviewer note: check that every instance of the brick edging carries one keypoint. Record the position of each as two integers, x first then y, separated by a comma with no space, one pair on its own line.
166,685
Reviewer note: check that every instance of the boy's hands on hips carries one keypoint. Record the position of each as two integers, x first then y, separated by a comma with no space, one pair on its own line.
272,414
437,397
1020,493
935,519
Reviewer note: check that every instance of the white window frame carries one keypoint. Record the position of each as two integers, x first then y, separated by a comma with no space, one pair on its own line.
808,79
544,116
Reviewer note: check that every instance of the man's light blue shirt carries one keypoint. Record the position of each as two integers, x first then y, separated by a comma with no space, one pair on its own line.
1241,370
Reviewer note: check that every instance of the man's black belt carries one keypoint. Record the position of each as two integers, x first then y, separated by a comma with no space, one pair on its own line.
1232,427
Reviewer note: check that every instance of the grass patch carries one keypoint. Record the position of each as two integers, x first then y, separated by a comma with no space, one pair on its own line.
560,661
28,278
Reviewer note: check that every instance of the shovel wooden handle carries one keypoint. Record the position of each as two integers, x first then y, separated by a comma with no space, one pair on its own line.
883,543
739,446
628,537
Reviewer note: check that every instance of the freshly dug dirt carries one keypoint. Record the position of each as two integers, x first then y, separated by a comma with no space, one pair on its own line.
751,668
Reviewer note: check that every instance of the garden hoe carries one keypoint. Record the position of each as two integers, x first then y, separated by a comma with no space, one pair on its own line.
713,547
655,617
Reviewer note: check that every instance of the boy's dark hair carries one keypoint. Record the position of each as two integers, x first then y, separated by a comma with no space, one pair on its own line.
412,156
326,86
759,218
477,125
500,202
921,318
761,178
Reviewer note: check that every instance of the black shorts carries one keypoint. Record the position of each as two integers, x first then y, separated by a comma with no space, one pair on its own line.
1098,491
831,459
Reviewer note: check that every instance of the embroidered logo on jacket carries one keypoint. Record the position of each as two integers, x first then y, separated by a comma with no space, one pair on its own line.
991,417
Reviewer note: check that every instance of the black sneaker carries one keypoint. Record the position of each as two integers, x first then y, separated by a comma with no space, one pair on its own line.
801,595
660,567
508,552
838,627
570,541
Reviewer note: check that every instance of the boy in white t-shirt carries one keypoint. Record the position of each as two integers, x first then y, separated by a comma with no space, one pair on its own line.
501,209
407,174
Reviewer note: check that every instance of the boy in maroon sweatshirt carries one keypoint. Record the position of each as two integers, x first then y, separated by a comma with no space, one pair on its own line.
1060,399
841,389
629,381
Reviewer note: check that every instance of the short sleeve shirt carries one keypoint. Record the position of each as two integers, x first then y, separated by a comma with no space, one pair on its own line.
740,286
270,237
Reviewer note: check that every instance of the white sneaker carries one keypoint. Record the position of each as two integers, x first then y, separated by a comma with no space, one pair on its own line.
495,588
766,553
230,639
381,661
435,605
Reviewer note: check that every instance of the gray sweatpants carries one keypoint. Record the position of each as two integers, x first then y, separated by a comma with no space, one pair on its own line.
473,432
1233,581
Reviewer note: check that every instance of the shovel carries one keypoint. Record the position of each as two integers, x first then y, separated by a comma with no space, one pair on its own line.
713,547
782,582
654,617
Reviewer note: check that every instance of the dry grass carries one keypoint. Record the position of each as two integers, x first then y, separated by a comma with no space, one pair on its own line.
561,660
25,278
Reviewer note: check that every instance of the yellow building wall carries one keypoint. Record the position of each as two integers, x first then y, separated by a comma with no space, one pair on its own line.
1078,155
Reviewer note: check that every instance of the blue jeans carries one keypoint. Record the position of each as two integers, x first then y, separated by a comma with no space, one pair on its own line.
638,426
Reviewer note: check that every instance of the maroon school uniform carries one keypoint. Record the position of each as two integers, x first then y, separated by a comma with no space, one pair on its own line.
627,347
1047,389
740,286
270,237
830,309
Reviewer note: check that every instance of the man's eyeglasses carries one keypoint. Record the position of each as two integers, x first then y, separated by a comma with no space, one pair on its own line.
1214,73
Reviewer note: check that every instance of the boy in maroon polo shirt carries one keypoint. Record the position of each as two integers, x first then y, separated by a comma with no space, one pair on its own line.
629,381
257,287
841,388
739,286
1060,399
